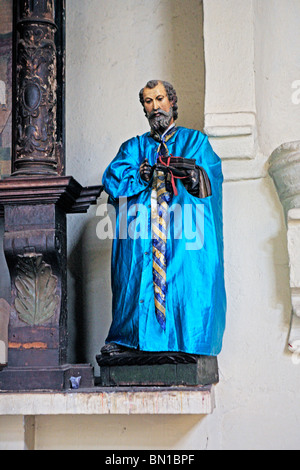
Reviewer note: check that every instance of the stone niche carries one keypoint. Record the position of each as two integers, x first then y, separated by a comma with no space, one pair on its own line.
284,169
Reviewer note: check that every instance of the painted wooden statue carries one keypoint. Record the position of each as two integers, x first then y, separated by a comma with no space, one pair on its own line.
167,272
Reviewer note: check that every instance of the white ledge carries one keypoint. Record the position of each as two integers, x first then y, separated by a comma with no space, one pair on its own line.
110,400
228,131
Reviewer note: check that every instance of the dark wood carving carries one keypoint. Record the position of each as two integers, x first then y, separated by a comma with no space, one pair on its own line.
35,249
36,290
35,201
35,131
35,214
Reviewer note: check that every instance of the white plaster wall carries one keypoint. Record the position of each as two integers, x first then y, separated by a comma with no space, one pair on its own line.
11,433
259,390
229,52
277,70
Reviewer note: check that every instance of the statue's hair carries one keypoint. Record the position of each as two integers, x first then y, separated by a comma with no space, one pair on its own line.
170,92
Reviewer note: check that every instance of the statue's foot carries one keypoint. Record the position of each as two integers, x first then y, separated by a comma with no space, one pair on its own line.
113,348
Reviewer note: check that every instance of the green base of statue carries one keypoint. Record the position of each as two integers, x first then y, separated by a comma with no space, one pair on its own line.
129,367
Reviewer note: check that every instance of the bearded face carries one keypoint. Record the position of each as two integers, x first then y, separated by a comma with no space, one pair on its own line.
160,120
158,108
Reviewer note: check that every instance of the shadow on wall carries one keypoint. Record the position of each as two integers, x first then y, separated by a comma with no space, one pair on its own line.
178,29
90,297
186,49
119,432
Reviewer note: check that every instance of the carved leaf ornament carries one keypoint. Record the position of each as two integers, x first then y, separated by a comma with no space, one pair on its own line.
36,300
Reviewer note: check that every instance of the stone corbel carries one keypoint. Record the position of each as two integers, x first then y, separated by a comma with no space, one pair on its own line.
284,167
232,134
233,137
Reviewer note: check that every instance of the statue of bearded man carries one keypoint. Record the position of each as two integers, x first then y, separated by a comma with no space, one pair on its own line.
168,281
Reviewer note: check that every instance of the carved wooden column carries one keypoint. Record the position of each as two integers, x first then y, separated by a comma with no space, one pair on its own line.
36,199
35,111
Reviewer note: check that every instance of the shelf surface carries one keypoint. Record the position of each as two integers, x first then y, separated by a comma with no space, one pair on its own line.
110,400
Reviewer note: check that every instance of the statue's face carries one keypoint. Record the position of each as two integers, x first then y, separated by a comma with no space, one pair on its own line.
158,107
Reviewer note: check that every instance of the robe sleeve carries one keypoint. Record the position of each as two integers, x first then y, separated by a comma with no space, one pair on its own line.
122,177
208,160
211,162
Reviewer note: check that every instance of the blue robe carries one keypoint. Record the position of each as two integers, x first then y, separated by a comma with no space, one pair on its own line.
196,299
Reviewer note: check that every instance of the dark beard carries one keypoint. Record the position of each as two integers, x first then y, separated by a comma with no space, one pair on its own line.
161,122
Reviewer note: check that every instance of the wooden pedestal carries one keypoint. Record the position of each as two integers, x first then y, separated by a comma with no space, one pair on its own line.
47,378
136,368
35,249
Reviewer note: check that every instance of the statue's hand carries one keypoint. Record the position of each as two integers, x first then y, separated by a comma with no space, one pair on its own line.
191,182
146,171
197,183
